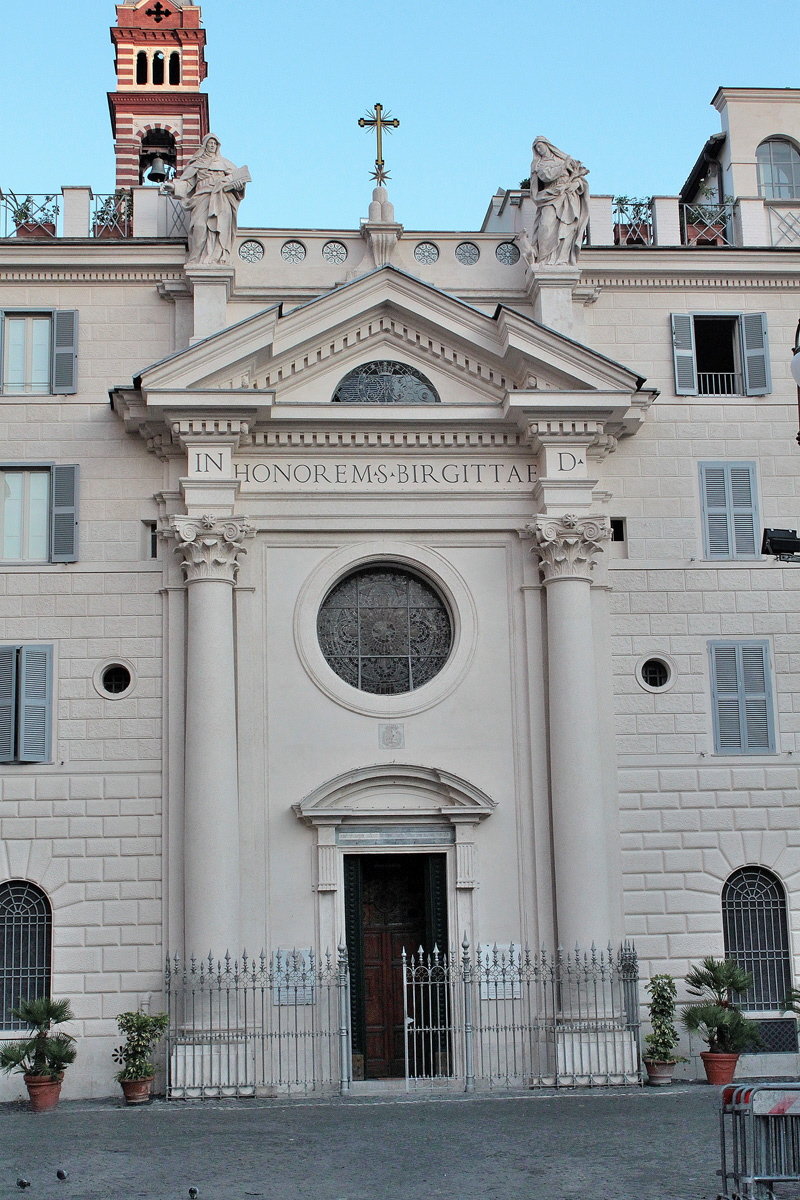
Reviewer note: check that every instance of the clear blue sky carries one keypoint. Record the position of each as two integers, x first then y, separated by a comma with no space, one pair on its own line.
623,86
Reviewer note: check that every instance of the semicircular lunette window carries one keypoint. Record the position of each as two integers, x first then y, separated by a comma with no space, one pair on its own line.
385,382
384,630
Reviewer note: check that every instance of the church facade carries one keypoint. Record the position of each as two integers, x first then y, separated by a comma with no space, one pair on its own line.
409,591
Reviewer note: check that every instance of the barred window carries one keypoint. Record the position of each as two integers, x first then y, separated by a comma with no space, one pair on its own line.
26,930
756,935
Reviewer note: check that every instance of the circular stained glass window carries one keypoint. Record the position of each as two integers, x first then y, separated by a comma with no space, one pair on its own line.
426,253
334,252
293,252
467,253
384,630
251,251
507,253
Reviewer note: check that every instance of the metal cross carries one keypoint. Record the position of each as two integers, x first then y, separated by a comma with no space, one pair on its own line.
159,12
375,119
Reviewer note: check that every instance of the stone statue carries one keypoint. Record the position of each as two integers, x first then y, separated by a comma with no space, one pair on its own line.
211,188
562,204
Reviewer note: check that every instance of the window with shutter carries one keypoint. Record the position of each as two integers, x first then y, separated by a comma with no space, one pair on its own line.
741,698
730,510
720,354
39,352
26,703
38,513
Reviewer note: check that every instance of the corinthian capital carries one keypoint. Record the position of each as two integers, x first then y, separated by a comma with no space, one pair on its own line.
568,546
210,546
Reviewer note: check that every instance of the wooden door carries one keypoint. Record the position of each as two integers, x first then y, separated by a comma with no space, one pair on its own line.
393,902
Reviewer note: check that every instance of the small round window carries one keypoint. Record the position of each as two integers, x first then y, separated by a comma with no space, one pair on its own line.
655,674
114,680
384,630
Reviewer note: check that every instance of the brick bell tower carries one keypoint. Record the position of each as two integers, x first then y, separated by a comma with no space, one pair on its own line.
158,110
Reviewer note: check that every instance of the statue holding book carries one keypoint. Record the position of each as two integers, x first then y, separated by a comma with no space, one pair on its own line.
211,188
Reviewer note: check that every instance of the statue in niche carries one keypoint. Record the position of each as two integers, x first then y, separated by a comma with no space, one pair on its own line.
562,205
211,188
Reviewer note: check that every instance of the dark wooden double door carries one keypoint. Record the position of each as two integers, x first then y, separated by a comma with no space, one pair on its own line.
392,902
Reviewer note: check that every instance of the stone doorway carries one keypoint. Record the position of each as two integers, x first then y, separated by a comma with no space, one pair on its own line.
392,902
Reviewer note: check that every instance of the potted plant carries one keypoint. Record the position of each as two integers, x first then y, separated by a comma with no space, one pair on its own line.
661,1042
717,1018
632,221
32,219
112,218
143,1032
43,1057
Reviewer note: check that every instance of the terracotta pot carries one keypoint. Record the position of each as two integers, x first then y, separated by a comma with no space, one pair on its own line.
33,229
136,1091
659,1074
43,1091
720,1068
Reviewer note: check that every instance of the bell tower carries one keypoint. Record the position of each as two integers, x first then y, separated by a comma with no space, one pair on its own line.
159,116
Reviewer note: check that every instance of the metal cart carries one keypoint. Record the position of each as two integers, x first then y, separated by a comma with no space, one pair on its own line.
759,1130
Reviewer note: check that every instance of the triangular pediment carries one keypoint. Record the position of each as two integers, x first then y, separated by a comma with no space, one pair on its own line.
298,356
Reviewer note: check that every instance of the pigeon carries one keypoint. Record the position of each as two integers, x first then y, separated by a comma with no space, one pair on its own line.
192,1193
61,1174
23,1183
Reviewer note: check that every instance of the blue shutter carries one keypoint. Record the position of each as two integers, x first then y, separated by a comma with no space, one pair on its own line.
64,515
744,513
8,701
716,523
683,354
730,510
65,352
741,698
35,703
755,354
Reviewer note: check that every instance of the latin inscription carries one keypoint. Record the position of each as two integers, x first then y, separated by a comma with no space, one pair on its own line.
367,475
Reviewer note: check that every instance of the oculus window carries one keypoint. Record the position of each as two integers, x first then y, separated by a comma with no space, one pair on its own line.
385,630
384,382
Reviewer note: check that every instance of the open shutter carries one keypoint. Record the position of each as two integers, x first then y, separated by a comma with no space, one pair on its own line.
64,515
65,352
8,701
726,699
683,354
35,703
716,525
755,354
743,508
757,707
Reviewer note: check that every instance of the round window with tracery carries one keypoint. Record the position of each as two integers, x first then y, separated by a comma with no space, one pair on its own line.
384,630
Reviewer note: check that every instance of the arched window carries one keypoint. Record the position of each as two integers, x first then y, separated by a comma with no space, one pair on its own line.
385,382
141,67
26,930
756,935
778,164
158,67
174,68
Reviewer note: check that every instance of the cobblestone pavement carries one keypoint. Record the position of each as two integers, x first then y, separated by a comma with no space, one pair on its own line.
616,1144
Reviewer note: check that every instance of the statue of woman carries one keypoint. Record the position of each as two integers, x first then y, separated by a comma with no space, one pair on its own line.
211,188
562,204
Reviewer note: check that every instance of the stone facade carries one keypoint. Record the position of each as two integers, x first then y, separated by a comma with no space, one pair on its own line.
202,807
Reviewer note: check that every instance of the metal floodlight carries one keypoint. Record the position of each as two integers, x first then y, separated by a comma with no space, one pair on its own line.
780,542
794,367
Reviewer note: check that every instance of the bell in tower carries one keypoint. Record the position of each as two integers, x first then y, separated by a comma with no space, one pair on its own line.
159,116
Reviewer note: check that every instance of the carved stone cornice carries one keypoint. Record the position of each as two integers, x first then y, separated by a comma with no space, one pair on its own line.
211,546
568,546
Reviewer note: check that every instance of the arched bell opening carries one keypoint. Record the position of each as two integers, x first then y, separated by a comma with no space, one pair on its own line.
158,157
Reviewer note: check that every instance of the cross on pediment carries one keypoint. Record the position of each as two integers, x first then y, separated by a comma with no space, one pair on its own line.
159,12
379,121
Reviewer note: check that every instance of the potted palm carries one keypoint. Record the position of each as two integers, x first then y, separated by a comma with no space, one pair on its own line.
143,1032
42,1057
717,1018
31,218
659,1057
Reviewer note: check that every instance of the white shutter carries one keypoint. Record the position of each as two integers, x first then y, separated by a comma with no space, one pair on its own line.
64,515
65,352
683,354
716,525
8,701
35,671
755,354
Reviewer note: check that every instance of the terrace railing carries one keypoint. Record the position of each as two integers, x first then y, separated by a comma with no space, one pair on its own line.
28,216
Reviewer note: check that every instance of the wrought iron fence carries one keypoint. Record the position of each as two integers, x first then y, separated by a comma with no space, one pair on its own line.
707,224
633,221
258,1026
28,216
112,215
496,1017
784,224
719,383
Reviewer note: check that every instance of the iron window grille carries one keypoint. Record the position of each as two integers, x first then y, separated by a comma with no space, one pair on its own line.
384,630
26,931
385,382
756,935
